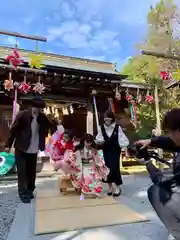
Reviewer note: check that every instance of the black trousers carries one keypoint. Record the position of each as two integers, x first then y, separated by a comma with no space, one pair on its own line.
167,211
26,171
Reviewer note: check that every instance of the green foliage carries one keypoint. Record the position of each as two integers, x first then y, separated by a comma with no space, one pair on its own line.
146,120
161,37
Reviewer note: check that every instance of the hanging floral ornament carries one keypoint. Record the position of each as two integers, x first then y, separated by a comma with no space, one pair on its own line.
129,97
24,86
39,87
176,75
149,99
14,59
165,75
8,83
117,94
36,61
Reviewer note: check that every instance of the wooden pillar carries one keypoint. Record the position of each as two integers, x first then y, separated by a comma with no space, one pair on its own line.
158,122
89,119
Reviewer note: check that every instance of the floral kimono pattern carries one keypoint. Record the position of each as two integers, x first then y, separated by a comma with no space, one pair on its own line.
86,173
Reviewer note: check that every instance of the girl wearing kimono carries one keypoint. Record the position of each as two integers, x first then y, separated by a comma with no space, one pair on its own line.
112,139
86,167
58,146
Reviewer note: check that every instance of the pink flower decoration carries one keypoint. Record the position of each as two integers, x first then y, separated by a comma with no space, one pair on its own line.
129,97
98,189
8,84
165,75
39,88
14,59
24,87
149,99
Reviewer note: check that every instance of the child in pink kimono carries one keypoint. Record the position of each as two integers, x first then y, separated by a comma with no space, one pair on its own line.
58,147
86,167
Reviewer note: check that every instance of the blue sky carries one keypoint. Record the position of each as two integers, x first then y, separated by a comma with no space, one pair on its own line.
106,30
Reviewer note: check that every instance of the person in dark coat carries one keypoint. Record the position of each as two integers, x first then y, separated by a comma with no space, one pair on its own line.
112,138
164,194
28,133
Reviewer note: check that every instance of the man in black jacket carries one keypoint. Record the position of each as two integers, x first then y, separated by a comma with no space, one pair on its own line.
164,197
28,133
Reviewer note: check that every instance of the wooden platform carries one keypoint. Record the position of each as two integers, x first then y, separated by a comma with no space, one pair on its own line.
57,213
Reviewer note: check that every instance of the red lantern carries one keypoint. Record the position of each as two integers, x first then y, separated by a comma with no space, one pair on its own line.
165,75
149,99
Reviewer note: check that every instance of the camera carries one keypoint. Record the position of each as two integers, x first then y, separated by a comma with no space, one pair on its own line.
139,152
136,151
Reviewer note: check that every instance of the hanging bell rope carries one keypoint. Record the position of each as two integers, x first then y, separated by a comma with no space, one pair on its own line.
37,47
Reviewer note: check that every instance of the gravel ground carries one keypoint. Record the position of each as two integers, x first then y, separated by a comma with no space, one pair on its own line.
8,204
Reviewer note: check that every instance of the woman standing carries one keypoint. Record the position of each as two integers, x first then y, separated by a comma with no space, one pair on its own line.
112,138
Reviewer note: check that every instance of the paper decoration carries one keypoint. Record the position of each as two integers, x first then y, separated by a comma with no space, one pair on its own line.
149,99
176,75
36,61
133,111
111,106
15,105
139,98
129,97
14,59
8,83
165,75
117,94
24,86
96,112
39,88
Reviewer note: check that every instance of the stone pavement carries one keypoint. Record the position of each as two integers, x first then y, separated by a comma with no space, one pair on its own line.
133,195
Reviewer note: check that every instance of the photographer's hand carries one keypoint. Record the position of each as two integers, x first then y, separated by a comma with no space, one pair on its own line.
142,161
145,143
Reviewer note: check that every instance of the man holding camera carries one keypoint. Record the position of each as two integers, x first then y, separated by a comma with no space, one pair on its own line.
164,194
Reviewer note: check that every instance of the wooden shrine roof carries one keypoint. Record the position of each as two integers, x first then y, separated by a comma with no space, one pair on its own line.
65,78
172,84
61,61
